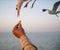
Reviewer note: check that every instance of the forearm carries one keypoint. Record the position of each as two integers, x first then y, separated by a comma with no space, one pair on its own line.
24,40
26,44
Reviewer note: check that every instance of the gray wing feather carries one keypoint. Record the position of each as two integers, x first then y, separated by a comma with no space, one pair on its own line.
56,6
33,4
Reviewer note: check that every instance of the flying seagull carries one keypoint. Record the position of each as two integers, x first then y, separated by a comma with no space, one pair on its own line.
19,4
54,10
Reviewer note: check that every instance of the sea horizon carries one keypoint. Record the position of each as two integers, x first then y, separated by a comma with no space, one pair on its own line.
43,41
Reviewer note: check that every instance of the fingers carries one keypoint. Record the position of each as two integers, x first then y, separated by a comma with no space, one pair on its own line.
18,25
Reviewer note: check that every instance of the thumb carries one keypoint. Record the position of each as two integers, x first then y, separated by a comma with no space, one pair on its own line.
19,25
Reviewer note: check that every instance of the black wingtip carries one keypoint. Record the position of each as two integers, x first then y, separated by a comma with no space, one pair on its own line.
57,15
44,10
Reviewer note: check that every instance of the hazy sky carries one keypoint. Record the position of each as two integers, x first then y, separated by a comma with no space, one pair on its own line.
33,20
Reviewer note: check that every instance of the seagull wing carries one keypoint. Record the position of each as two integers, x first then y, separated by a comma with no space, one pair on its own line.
56,6
19,3
33,4
26,4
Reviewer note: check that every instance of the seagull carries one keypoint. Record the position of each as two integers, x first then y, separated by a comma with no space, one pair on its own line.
54,10
19,4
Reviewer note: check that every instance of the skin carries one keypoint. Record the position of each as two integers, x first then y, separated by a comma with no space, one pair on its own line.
18,31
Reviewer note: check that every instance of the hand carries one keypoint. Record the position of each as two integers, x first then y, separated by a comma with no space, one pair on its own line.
18,31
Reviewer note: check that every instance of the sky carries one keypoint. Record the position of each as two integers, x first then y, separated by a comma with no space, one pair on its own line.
33,20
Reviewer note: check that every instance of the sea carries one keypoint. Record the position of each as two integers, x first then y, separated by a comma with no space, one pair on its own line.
42,40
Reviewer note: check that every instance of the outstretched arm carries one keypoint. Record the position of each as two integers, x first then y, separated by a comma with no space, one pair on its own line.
19,32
